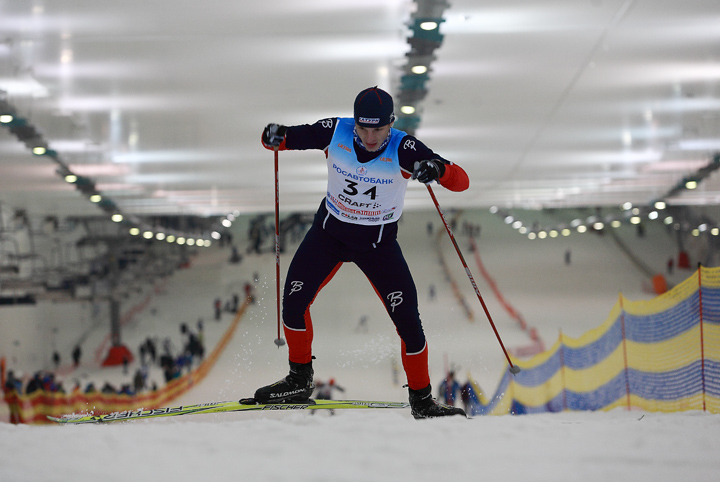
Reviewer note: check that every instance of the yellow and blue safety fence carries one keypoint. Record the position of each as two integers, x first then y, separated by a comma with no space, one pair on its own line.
657,355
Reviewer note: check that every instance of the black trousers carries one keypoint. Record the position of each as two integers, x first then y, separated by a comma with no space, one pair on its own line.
316,261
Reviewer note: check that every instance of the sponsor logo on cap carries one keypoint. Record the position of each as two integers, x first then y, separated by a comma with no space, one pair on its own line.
369,120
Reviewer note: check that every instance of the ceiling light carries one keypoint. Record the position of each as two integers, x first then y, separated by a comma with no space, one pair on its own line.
66,56
615,224
407,109
626,138
170,239
181,240
226,222
71,178
419,69
627,206
134,231
553,233
653,215
598,226
660,205
668,220
542,235
691,185
532,236
523,230
582,228
160,236
635,220
39,150
117,218
190,242
428,25
95,198
148,234
715,231
566,232
6,118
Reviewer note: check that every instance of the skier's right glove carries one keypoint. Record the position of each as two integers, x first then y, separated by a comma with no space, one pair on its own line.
273,136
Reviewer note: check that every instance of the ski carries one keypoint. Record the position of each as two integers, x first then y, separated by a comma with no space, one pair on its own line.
216,407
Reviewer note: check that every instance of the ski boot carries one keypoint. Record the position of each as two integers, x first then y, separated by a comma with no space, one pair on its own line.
297,387
422,405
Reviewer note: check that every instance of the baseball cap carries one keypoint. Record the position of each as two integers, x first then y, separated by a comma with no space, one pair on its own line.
373,108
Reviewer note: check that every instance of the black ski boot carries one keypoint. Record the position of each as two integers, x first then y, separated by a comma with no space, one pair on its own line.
422,405
297,387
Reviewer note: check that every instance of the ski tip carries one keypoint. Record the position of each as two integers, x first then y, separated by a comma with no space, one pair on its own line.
62,419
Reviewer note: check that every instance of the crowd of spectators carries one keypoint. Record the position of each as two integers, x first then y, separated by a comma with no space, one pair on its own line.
173,361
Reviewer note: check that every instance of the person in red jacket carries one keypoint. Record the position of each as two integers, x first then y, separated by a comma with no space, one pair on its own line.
369,165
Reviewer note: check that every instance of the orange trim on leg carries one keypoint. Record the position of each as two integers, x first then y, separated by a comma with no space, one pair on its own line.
300,343
416,368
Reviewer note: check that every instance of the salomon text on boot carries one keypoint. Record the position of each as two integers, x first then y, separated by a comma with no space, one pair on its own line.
422,405
297,387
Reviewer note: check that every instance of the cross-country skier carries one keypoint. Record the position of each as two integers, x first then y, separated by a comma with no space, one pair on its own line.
369,165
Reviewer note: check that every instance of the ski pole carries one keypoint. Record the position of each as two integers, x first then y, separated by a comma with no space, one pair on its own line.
278,341
513,369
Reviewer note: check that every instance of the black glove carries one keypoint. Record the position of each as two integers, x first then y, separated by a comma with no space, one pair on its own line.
428,171
273,135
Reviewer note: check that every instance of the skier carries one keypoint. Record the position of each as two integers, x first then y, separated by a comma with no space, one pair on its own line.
369,165
323,391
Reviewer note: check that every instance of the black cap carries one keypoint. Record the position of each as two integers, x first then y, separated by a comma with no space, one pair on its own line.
373,108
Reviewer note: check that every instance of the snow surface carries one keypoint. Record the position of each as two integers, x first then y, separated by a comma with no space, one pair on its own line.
379,445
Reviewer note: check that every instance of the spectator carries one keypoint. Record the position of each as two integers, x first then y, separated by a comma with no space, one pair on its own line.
218,309
76,354
139,380
449,389
34,384
11,393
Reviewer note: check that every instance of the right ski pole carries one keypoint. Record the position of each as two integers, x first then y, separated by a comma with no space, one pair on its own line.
278,341
513,368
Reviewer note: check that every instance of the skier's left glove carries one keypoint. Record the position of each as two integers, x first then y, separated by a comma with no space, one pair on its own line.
428,171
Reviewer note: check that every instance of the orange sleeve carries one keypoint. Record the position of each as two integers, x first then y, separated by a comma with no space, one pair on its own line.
455,178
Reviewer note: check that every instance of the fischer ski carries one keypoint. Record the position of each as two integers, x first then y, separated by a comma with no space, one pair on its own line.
245,405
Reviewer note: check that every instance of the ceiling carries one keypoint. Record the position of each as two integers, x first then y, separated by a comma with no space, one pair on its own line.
545,103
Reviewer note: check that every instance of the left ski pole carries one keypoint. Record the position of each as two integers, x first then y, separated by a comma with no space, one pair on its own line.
513,368
278,341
